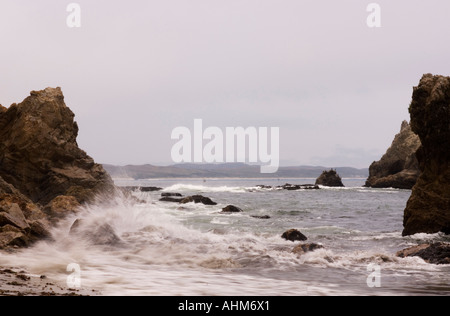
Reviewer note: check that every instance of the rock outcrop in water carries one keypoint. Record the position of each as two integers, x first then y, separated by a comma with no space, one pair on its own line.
428,208
189,199
330,179
304,248
100,234
293,235
289,187
198,199
231,209
43,173
295,187
436,253
398,168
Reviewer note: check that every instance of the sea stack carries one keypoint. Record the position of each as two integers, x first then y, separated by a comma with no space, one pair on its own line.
39,154
330,179
43,172
398,168
428,208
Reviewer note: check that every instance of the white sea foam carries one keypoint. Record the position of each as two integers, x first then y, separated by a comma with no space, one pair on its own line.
201,188
393,191
338,188
197,251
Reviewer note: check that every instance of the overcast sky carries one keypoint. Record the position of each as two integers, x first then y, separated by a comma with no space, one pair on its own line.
337,89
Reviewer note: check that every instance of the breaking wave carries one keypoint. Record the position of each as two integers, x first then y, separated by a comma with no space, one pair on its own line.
154,248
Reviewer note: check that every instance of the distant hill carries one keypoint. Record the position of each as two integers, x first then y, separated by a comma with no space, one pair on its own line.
226,170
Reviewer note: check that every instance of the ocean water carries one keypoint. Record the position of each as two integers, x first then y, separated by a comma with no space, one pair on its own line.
168,249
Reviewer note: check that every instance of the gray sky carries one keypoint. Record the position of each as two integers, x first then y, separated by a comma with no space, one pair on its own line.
337,89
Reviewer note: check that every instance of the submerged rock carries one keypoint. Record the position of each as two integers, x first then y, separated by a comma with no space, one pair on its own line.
330,179
398,168
294,235
189,199
304,248
428,208
171,199
165,194
261,217
198,199
231,209
295,187
263,186
436,253
143,189
96,233
104,235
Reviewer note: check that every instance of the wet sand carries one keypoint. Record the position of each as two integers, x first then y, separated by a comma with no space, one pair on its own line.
17,282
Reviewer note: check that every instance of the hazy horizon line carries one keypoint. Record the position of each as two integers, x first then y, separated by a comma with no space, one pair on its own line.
227,163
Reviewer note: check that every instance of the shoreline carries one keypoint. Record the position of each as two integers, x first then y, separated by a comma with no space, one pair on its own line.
18,282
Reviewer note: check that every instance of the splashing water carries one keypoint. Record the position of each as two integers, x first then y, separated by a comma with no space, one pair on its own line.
164,250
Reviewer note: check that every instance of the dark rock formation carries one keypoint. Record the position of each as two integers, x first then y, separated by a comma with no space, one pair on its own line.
436,253
231,209
289,187
39,154
189,199
198,199
171,199
61,206
143,189
329,179
428,208
170,194
21,221
41,164
101,234
261,217
295,187
11,214
304,248
294,235
398,168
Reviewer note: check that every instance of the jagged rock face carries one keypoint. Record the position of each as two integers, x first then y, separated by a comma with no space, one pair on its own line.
41,165
39,154
329,179
428,208
398,168
21,221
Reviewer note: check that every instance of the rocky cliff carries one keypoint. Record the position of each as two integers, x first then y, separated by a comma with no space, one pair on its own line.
428,209
43,173
398,168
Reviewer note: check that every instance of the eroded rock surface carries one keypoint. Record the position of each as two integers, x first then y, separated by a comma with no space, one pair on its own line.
428,208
